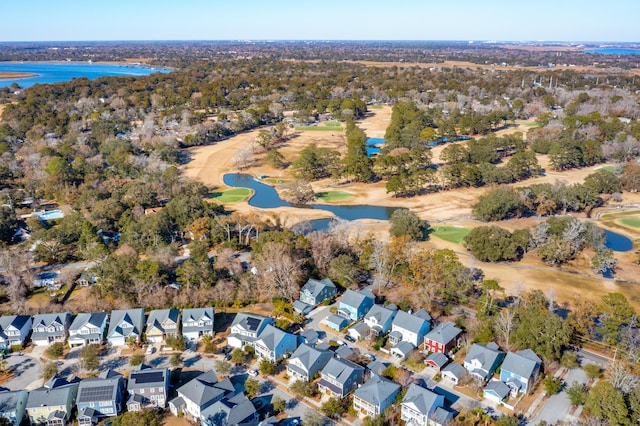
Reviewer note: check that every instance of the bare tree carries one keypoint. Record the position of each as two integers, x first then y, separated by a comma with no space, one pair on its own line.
621,377
504,325
279,271
17,265
323,250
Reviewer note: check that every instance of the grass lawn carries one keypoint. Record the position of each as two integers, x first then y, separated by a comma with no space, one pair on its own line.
276,181
452,234
233,195
633,222
333,126
375,107
608,168
333,196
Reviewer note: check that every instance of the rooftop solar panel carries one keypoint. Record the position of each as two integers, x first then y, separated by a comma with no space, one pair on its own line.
151,377
97,393
253,323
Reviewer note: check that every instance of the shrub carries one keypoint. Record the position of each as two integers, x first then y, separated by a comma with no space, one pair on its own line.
49,370
593,371
552,385
266,367
56,350
177,343
136,360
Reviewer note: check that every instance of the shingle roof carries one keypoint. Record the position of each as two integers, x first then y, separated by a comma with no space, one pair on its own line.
44,397
159,316
249,322
519,364
47,320
409,322
422,314
308,356
231,411
501,389
95,319
376,390
438,358
9,400
147,377
380,313
315,287
16,321
487,356
340,369
404,347
197,314
96,389
206,388
455,369
443,333
355,299
271,336
421,399
134,317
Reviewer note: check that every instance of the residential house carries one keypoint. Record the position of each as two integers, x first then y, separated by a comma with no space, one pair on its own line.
50,328
315,291
359,331
409,327
379,319
245,329
310,336
197,322
301,307
336,322
147,388
306,361
454,373
354,305
402,350
48,279
436,360
14,330
87,329
87,278
100,397
53,403
162,323
520,369
372,398
125,324
13,405
442,339
496,391
236,410
272,343
378,366
483,360
419,405
340,377
195,396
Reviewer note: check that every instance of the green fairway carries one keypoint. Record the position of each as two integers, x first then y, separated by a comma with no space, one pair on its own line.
608,168
326,126
276,181
633,222
333,196
233,195
452,234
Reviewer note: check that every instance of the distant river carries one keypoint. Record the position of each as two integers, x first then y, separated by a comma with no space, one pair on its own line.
614,51
54,72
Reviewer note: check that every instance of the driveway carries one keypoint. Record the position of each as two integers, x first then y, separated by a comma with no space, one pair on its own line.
26,372
557,406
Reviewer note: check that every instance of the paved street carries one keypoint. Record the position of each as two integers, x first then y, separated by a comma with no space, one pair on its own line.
26,372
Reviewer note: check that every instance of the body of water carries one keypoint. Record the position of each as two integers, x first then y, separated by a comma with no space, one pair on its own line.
266,197
54,72
614,51
617,242
373,146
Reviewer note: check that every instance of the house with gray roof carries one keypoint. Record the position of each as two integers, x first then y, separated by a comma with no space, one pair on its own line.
197,322
125,324
454,373
310,336
359,331
315,291
410,327
379,319
53,403
87,329
354,305
520,369
195,396
100,397
13,405
443,338
419,405
235,410
147,388
272,343
50,328
14,330
306,361
372,398
245,329
340,377
483,360
402,350
378,366
436,360
496,391
162,323
336,322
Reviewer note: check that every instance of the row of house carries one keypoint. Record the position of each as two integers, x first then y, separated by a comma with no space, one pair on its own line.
94,398
88,328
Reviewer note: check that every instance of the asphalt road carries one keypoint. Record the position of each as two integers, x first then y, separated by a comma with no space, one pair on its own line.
26,372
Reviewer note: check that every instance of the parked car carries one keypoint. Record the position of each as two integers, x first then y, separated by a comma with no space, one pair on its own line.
253,373
151,350
370,357
349,339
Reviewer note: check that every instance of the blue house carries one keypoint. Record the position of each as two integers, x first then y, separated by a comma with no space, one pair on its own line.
336,322
100,397
520,369
354,305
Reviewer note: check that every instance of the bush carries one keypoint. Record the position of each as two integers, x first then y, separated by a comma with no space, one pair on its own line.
252,387
49,370
593,371
16,348
577,393
136,360
89,357
175,360
223,367
278,404
552,385
266,367
302,388
56,350
177,343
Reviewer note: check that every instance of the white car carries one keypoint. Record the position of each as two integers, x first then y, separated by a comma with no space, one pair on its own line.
150,350
253,373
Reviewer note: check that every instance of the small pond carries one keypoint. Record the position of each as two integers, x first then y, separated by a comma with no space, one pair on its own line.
373,146
617,242
266,197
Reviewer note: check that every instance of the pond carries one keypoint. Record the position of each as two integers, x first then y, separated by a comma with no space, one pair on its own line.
373,146
266,197
617,242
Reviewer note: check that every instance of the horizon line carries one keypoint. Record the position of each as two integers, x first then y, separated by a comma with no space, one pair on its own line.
270,40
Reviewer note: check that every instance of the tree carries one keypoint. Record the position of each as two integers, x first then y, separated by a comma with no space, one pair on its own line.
552,385
140,418
615,311
251,387
175,360
315,163
313,418
333,407
607,403
298,192
55,350
49,370
356,163
498,204
279,270
275,159
278,404
89,357
577,393
136,359
237,356
266,367
209,345
223,367
8,224
407,222
303,388
506,420
593,371
493,244
542,331
177,343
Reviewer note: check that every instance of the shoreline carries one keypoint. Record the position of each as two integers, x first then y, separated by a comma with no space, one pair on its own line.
15,75
141,63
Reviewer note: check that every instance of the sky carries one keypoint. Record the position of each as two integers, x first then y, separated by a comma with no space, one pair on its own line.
507,20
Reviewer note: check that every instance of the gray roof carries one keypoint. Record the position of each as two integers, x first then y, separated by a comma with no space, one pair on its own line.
48,320
376,390
134,317
380,313
409,322
310,336
404,347
422,314
441,416
520,364
16,321
249,322
301,306
455,369
443,333
231,411
488,357
271,336
159,316
44,397
340,369
147,377
315,287
361,328
355,299
197,314
206,388
377,366
97,389
422,399
309,355
438,358
95,319
337,319
498,387
9,400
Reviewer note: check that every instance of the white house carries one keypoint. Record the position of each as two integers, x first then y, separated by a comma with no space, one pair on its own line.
14,330
412,328
50,328
379,319
245,329
87,329
197,322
